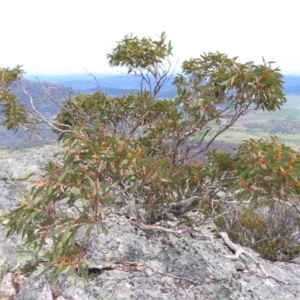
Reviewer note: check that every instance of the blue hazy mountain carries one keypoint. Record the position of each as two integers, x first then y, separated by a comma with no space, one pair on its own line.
117,85
84,82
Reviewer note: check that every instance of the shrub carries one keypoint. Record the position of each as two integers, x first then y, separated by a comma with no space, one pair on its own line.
144,151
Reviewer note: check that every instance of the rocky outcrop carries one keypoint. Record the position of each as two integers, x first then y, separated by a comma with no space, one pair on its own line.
130,262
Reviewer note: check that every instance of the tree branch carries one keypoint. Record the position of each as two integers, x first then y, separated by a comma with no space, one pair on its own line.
238,250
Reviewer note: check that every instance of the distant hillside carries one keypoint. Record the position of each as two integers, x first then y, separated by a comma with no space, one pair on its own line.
119,92
41,92
23,139
117,85
88,82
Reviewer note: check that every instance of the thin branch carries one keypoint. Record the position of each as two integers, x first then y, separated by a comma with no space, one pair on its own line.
238,250
96,80
159,228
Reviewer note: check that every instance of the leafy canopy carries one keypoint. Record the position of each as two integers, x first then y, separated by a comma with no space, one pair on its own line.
13,113
150,59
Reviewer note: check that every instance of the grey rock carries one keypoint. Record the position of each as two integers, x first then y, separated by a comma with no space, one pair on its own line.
181,268
5,170
35,288
221,194
134,263
7,289
240,266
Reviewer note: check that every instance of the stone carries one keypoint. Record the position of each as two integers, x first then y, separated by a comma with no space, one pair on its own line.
134,263
7,289
35,288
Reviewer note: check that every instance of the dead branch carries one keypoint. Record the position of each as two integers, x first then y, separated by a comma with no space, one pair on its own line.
238,250
159,228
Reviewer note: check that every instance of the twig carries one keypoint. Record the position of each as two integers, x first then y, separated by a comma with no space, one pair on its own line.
239,251
159,228
96,80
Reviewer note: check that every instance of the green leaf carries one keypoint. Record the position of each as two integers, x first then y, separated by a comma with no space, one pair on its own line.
54,232
66,233
108,199
45,270
83,273
25,178
241,196
62,177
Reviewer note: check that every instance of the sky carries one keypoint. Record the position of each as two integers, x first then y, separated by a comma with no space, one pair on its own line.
74,36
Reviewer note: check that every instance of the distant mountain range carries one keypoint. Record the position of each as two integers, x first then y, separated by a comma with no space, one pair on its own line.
117,85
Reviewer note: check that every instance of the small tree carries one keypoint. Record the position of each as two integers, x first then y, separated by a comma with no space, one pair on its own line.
150,60
13,114
145,151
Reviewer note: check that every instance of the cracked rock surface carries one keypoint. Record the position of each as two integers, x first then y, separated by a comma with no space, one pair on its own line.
133,263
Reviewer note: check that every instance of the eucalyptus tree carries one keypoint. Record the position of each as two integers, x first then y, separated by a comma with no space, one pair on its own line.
144,151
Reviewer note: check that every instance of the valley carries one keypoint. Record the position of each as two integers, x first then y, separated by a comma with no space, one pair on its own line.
284,123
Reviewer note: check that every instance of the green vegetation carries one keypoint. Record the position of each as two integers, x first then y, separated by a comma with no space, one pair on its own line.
284,123
144,151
